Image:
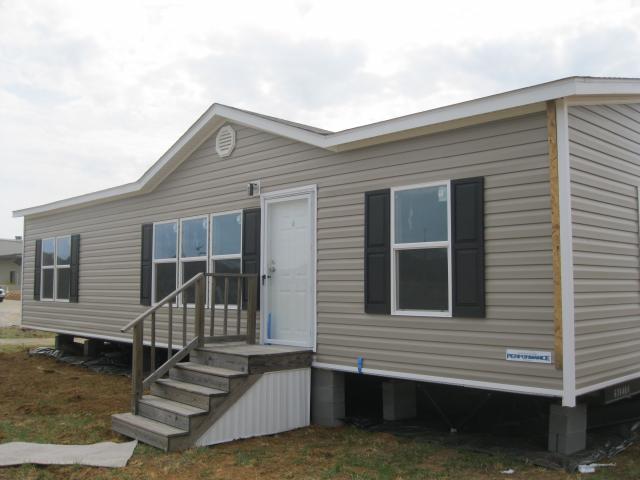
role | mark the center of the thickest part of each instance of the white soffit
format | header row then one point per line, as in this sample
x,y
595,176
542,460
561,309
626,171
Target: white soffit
x,y
494,107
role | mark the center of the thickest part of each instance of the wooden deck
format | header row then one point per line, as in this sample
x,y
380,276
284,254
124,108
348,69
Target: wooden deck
x,y
253,358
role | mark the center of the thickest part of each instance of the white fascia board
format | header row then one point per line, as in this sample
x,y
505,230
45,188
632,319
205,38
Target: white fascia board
x,y
606,86
186,144
383,131
481,106
82,200
250,120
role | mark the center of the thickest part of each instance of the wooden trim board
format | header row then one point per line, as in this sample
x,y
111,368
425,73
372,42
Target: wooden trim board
x,y
552,135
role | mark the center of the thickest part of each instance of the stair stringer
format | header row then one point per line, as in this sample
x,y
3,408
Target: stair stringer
x,y
274,402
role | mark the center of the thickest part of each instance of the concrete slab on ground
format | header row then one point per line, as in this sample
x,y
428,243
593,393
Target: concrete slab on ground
x,y
10,313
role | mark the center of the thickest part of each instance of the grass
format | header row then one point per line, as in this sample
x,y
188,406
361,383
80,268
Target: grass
x,y
17,332
67,404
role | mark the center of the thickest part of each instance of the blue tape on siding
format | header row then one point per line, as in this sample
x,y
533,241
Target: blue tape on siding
x,y
359,364
269,326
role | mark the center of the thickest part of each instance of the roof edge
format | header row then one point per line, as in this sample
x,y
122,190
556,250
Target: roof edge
x,y
353,138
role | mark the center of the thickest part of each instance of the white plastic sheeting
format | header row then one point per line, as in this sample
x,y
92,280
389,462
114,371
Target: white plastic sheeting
x,y
277,402
105,454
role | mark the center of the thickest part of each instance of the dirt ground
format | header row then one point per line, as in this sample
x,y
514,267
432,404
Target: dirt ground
x,y
42,400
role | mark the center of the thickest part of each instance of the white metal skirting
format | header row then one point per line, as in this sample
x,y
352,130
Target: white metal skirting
x,y
277,402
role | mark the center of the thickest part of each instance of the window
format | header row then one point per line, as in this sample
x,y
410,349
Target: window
x,y
182,249
165,259
420,250
13,277
226,251
193,251
56,269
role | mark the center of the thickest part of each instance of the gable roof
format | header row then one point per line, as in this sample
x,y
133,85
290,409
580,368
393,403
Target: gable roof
x,y
494,107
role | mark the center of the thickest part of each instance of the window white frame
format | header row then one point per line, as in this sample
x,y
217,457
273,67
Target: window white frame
x,y
44,267
395,247
155,261
232,256
55,267
182,260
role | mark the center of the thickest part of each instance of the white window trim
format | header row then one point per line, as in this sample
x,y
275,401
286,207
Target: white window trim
x,y
182,260
55,267
44,267
421,245
233,256
154,261
209,258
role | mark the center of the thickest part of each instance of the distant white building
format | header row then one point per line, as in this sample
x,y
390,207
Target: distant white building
x,y
11,263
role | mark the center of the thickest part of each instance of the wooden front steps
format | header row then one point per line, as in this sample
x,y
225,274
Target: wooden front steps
x,y
184,405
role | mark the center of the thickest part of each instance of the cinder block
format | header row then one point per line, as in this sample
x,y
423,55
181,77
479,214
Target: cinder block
x,y
327,397
91,347
398,400
65,343
567,429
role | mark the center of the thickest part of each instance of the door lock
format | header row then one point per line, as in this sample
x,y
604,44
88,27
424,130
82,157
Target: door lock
x,y
270,270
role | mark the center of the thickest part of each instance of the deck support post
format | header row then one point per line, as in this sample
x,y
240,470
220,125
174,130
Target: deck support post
x,y
398,400
567,429
327,397
252,287
199,313
136,367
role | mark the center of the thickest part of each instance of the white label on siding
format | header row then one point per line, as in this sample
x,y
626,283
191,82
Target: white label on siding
x,y
528,356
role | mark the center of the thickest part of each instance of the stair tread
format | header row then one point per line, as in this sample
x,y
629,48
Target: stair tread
x,y
171,406
190,387
149,425
221,372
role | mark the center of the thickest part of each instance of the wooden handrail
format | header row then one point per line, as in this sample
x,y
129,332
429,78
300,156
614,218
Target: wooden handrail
x,y
138,383
199,283
171,296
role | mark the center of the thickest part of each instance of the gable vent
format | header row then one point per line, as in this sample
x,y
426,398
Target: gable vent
x,y
225,141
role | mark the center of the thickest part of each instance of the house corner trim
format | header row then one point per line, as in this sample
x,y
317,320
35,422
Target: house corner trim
x,y
565,234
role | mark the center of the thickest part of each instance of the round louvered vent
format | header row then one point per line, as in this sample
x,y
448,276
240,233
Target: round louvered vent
x,y
225,141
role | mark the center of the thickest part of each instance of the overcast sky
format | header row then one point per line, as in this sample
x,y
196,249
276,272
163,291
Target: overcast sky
x,y
92,93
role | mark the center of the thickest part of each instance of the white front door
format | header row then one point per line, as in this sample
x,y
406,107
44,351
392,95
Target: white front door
x,y
288,268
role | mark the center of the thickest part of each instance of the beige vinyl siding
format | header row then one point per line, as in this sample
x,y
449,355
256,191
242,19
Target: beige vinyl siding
x,y
512,155
605,173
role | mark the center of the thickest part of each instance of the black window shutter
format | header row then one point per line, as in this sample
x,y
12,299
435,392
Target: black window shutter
x,y
377,252
467,231
146,264
74,288
251,247
37,272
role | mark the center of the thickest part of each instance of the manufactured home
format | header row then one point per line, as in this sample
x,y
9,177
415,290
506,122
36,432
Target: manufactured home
x,y
491,244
